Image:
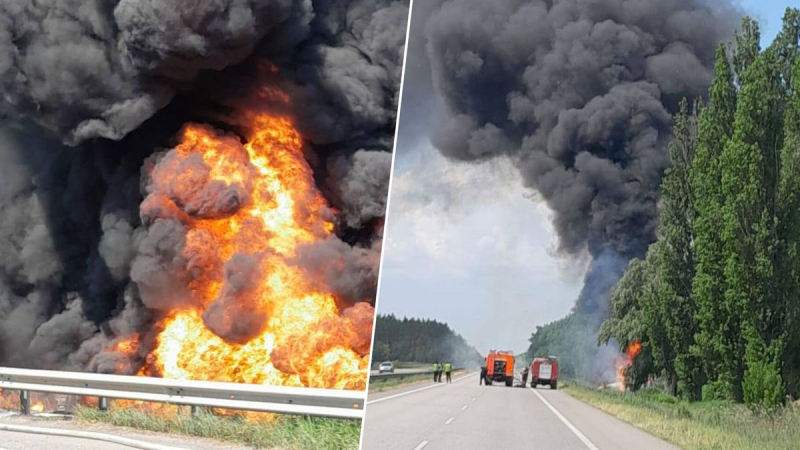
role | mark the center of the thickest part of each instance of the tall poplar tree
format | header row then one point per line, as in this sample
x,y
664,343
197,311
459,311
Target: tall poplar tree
x,y
708,287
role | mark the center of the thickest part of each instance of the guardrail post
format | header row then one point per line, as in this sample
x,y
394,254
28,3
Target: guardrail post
x,y
102,404
25,402
195,410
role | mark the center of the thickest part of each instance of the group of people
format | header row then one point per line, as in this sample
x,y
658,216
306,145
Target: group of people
x,y
439,368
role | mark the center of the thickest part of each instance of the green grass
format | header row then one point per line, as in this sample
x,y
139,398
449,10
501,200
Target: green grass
x,y
700,425
285,432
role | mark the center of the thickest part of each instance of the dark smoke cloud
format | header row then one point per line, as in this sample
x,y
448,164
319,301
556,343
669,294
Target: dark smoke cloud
x,y
94,93
96,68
579,94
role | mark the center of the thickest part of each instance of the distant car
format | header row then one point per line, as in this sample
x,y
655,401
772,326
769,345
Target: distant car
x,y
386,366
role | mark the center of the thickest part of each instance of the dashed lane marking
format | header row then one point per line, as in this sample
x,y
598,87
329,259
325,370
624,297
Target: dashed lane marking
x,y
421,445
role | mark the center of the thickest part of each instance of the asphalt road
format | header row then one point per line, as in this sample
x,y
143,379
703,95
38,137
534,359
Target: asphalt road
x,y
464,415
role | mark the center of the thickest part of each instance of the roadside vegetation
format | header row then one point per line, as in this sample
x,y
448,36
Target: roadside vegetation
x,y
714,301
277,432
703,425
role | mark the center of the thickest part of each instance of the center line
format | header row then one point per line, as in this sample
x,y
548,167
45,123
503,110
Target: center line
x,y
464,407
473,399
421,445
450,420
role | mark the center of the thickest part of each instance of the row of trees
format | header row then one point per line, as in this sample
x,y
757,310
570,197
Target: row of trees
x,y
420,340
716,301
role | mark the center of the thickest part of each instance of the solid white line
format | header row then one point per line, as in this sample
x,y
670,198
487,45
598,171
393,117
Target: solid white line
x,y
421,445
418,390
450,420
566,422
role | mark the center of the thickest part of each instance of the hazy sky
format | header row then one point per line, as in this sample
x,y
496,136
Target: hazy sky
x,y
466,244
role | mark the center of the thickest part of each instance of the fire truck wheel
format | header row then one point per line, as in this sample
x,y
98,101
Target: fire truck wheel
x,y
553,385
509,381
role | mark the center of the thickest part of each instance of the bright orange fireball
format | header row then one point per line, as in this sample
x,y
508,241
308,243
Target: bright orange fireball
x,y
253,317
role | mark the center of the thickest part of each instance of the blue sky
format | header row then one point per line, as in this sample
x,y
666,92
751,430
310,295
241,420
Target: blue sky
x,y
467,245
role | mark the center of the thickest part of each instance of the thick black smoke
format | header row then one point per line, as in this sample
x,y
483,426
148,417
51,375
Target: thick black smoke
x,y
95,91
579,94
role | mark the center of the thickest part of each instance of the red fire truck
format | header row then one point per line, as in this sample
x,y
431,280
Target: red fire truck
x,y
544,371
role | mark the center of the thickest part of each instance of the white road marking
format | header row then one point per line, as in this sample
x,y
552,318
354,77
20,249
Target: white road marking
x,y
421,445
464,407
450,420
566,422
473,399
417,390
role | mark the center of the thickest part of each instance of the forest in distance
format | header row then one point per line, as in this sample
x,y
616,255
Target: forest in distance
x,y
715,302
420,340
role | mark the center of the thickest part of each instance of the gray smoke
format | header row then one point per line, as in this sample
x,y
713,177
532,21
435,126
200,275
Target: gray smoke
x,y
94,93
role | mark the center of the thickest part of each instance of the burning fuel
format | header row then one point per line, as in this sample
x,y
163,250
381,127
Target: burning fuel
x,y
245,313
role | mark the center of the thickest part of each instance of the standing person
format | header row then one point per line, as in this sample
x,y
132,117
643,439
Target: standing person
x,y
439,372
483,375
435,371
447,368
524,376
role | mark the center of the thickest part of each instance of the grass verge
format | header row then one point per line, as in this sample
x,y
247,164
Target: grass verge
x,y
385,384
700,425
284,432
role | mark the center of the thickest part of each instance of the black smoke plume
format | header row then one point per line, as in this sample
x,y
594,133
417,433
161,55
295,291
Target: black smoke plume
x,y
94,93
579,94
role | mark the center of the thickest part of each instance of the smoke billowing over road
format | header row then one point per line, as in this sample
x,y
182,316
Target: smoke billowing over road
x,y
579,94
96,96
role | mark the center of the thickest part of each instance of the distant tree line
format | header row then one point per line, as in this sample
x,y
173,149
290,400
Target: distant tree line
x,y
420,340
716,300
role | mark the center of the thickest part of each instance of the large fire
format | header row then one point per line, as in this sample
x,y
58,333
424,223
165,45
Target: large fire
x,y
625,360
253,316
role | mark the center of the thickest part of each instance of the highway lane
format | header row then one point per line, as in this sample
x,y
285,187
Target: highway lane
x,y
464,415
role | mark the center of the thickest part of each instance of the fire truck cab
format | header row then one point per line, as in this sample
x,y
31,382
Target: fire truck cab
x,y
544,371
500,367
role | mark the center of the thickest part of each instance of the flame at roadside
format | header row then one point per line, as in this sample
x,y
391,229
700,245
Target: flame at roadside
x,y
624,361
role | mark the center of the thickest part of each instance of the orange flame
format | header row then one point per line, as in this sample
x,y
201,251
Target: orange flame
x,y
626,360
301,338
38,407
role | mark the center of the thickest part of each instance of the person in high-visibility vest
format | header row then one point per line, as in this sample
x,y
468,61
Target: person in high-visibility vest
x,y
435,372
447,367
483,375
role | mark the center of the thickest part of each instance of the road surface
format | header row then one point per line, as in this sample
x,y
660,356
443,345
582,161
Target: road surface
x,y
465,415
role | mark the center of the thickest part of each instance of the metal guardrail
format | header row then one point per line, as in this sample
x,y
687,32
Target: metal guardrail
x,y
407,373
246,397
